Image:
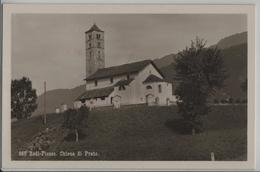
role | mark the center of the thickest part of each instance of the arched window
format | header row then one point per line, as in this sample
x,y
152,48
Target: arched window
x,y
148,87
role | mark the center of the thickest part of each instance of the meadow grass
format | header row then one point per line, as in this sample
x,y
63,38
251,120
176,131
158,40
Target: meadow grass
x,y
144,133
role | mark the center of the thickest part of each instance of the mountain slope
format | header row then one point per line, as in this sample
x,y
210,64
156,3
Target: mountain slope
x,y
165,60
236,39
54,98
235,59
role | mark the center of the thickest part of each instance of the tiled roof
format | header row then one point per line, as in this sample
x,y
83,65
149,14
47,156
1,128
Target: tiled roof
x,y
121,70
94,28
123,82
96,93
153,78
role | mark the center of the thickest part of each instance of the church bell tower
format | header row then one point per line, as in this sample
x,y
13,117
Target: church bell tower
x,y
95,56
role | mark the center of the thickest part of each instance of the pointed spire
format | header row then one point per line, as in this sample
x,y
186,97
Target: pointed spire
x,y
94,28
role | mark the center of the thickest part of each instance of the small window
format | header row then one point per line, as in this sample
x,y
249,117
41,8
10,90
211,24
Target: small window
x,y
96,82
99,45
159,88
89,45
90,53
148,87
89,37
98,36
102,98
111,80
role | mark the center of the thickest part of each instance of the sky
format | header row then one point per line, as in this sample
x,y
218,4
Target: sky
x,y
51,47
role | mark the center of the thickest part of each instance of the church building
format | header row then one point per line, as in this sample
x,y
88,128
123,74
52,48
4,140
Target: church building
x,y
128,84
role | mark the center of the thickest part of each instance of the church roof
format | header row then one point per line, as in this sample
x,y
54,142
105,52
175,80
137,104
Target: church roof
x,y
96,93
153,78
123,82
94,28
121,70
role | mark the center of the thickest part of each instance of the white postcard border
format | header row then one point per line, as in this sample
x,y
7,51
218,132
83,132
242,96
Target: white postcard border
x,y
10,9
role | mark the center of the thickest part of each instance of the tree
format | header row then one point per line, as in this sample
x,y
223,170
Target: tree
x,y
73,119
199,72
23,98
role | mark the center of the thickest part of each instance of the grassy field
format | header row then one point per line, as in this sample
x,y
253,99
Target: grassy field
x,y
144,133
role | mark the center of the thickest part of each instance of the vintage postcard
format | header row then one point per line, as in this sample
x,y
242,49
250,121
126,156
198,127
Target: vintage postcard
x,y
128,87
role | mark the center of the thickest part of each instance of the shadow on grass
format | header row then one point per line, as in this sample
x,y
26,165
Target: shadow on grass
x,y
180,126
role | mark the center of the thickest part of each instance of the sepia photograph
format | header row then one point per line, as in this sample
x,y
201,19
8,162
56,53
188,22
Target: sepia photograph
x,y
108,86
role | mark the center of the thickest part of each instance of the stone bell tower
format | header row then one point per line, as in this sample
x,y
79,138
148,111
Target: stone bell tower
x,y
95,55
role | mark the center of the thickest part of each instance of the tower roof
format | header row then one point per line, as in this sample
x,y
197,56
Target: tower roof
x,y
94,28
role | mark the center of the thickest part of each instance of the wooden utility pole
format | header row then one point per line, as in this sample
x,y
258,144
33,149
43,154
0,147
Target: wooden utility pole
x,y
44,104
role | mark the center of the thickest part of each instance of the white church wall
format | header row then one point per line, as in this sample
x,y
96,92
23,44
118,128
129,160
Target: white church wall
x,y
135,92
163,96
126,95
138,86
